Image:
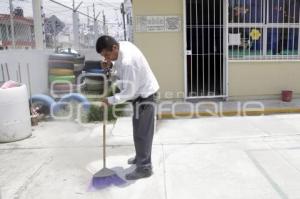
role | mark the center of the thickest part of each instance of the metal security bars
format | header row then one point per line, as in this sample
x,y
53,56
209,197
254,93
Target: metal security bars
x,y
263,29
205,52
16,25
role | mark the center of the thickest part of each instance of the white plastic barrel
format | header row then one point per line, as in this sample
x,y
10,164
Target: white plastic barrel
x,y
15,122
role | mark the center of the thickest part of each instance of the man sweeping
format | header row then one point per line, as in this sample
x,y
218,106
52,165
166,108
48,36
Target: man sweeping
x,y
137,84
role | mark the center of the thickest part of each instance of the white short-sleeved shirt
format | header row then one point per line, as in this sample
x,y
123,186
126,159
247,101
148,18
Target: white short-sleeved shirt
x,y
135,77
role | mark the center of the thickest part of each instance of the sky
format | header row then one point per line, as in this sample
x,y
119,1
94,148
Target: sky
x,y
109,6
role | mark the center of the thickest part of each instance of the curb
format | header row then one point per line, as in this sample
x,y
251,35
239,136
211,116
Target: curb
x,y
182,115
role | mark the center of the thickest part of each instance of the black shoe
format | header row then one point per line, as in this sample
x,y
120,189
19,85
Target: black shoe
x,y
132,160
139,173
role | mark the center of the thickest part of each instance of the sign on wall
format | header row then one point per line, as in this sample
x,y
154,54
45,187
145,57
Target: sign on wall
x,y
158,24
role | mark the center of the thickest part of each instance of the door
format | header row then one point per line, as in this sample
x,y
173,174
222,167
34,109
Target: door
x,y
206,53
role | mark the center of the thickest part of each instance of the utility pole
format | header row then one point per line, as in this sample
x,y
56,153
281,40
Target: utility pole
x,y
96,30
38,19
88,18
76,25
12,28
123,14
104,24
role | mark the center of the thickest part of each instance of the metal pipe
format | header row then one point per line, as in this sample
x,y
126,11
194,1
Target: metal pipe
x,y
7,71
197,56
17,76
220,46
104,143
288,39
105,117
277,41
203,49
214,45
3,75
294,21
249,37
29,85
191,49
208,22
19,70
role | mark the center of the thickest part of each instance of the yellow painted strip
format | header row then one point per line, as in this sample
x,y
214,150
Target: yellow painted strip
x,y
60,61
178,115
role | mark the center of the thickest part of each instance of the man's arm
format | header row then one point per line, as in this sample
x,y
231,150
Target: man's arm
x,y
129,85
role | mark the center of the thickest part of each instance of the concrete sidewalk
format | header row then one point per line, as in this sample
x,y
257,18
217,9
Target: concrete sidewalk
x,y
255,157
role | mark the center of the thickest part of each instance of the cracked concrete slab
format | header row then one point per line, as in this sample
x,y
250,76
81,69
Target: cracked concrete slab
x,y
234,157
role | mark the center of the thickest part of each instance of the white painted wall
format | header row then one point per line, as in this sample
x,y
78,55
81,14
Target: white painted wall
x,y
38,64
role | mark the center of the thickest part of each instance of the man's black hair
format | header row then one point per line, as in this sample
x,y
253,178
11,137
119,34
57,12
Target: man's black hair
x,y
105,42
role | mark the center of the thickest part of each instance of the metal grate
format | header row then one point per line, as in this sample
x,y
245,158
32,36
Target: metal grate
x,y
205,57
263,29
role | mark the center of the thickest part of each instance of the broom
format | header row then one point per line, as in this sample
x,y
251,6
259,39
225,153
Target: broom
x,y
106,177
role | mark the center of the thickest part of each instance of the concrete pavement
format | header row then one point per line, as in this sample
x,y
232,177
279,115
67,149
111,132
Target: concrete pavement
x,y
227,158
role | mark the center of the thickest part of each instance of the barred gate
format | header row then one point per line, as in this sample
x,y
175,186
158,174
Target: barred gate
x,y
206,48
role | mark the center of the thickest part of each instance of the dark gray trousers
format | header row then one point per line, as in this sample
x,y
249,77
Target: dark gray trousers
x,y
143,129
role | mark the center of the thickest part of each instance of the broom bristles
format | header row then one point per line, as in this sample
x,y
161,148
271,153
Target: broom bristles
x,y
103,182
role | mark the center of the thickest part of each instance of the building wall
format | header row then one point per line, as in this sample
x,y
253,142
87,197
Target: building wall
x,y
262,79
38,66
164,51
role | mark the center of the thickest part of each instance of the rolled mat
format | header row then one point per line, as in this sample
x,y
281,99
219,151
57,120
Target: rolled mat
x,y
60,64
63,79
60,72
64,87
63,57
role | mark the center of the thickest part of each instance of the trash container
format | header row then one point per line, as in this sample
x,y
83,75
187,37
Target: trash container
x,y
15,123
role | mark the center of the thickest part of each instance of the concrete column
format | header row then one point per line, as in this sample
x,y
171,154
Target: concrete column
x,y
76,42
12,25
38,24
96,30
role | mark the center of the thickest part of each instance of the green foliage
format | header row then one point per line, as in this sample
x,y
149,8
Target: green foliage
x,y
96,113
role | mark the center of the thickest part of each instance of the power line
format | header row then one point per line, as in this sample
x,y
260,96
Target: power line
x,y
104,4
55,12
53,1
109,5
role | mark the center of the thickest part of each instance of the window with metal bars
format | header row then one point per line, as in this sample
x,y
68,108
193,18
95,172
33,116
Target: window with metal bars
x,y
264,29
